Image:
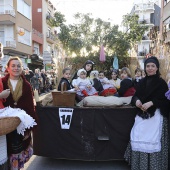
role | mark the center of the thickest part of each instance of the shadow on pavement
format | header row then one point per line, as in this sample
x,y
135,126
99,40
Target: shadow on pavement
x,y
42,163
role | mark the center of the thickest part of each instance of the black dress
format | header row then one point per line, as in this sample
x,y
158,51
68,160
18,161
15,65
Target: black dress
x,y
67,82
151,88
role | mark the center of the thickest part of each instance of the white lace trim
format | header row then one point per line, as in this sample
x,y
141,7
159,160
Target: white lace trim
x,y
26,120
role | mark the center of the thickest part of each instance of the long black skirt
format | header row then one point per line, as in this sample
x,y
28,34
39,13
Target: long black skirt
x,y
150,161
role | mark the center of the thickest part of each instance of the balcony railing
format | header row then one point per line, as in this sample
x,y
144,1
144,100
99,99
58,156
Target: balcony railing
x,y
141,7
8,42
141,53
145,21
7,9
48,17
11,44
37,33
145,38
51,36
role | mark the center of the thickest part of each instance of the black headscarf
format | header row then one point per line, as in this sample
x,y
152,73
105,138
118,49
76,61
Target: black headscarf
x,y
154,60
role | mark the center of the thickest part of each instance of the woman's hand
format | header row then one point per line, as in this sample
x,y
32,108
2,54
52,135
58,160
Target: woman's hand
x,y
147,105
138,103
4,94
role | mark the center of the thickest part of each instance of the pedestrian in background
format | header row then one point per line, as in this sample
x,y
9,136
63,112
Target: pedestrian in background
x,y
1,71
35,81
28,74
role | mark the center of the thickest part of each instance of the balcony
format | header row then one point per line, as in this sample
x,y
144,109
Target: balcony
x,y
141,53
167,38
11,44
144,7
37,36
51,38
49,18
146,39
8,42
146,22
7,14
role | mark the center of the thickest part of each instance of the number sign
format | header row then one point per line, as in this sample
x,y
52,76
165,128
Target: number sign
x,y
65,117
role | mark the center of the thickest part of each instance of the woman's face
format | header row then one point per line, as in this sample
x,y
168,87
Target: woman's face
x,y
151,69
88,67
14,69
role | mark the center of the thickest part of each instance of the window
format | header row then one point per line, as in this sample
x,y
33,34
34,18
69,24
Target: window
x,y
167,24
36,48
24,8
26,38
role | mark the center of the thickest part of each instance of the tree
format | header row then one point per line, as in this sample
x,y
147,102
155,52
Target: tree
x,y
85,37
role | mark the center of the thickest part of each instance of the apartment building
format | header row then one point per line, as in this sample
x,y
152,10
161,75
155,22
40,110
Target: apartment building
x,y
16,29
165,21
43,11
149,14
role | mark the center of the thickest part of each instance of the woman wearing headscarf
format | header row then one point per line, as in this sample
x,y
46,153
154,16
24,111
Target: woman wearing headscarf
x,y
88,66
148,148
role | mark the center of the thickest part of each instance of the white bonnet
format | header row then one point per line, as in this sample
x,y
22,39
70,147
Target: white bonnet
x,y
81,70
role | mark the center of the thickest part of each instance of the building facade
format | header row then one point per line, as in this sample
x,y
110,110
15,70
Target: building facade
x,y
149,14
43,11
16,29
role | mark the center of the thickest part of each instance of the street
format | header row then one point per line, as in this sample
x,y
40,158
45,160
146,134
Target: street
x,y
42,163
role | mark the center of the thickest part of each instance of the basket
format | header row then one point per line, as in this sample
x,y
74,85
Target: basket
x,y
8,124
63,98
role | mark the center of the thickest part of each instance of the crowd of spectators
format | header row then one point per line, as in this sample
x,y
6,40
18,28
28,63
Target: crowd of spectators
x,y
42,80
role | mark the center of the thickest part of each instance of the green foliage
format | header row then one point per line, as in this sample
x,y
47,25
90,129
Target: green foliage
x,y
85,37
135,31
78,62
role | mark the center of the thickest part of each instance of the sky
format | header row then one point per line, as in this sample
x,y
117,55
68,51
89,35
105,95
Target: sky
x,y
107,10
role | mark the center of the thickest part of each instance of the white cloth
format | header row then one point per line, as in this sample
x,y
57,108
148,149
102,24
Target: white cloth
x,y
146,133
26,120
83,84
106,83
100,101
3,149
